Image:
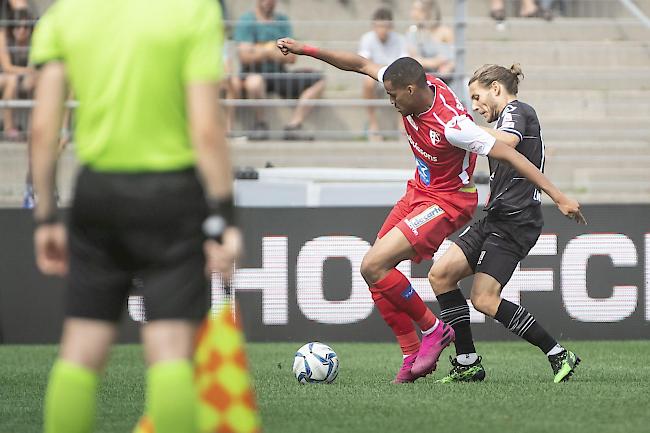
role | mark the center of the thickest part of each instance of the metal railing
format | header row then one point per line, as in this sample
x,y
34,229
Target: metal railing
x,y
340,115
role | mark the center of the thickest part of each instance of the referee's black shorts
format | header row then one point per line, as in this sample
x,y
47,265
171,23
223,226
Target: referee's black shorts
x,y
495,246
147,226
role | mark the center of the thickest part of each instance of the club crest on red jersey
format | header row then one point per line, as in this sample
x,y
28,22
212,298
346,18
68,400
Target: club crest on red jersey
x,y
434,136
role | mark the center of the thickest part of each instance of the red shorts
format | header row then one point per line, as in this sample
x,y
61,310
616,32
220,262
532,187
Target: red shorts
x,y
426,220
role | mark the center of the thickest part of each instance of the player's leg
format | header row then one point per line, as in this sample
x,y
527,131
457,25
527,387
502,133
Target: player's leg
x,y
500,255
378,269
444,277
395,298
426,227
399,322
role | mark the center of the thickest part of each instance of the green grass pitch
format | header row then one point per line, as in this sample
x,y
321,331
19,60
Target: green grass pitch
x,y
609,393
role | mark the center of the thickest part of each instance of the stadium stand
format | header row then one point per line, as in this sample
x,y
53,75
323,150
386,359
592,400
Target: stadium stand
x,y
587,73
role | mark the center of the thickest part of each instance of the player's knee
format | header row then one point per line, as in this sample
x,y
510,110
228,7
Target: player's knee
x,y
371,268
484,302
440,279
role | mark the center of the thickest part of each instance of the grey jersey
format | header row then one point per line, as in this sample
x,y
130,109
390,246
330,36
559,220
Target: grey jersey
x,y
510,193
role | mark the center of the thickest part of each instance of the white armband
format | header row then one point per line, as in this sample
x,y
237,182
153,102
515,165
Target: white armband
x,y
380,74
465,134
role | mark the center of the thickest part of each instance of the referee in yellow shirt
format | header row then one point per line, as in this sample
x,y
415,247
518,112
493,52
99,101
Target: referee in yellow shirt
x,y
154,190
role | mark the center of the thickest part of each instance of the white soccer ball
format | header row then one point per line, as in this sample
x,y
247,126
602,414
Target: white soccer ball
x,y
316,363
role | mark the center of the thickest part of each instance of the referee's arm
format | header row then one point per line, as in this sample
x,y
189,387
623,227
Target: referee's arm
x,y
49,238
46,123
207,131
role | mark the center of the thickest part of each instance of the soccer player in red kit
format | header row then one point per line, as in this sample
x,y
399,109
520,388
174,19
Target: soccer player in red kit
x,y
438,201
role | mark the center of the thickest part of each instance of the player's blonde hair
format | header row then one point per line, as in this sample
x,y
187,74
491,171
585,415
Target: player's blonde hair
x,y
487,74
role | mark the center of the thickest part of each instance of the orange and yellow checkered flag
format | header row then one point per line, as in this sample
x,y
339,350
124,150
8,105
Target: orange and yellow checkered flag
x,y
226,396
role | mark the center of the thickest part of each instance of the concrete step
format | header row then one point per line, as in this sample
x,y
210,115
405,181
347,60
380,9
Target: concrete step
x,y
485,29
560,29
613,54
577,54
341,85
598,148
352,121
590,172
310,10
586,103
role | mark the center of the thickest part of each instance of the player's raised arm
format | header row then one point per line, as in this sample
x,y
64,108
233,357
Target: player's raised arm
x,y
463,133
567,205
343,60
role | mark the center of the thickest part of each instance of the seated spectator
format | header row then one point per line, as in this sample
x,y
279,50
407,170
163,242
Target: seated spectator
x,y
263,67
17,78
429,41
383,46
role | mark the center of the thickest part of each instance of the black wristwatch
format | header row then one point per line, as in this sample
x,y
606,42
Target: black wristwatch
x,y
222,215
53,218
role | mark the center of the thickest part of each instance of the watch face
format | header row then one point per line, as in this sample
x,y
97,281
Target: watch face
x,y
213,226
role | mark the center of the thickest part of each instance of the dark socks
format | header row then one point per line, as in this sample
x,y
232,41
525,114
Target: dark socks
x,y
455,312
518,320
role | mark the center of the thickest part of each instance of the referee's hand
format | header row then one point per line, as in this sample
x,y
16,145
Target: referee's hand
x,y
221,256
51,248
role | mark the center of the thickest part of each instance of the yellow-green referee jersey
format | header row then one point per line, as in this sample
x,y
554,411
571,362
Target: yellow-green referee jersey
x,y
128,63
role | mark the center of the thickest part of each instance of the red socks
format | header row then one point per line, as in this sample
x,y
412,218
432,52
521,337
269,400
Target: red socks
x,y
399,322
397,289
399,305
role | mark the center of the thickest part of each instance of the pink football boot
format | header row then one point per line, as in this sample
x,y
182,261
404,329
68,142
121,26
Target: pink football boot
x,y
431,348
404,374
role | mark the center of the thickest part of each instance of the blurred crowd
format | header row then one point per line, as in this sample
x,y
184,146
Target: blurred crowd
x,y
257,70
263,70
16,75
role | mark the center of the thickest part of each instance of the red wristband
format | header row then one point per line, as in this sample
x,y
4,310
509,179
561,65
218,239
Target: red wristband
x,y
309,50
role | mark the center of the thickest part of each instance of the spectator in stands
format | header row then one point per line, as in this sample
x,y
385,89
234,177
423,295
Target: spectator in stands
x,y
528,9
381,45
263,67
429,41
17,77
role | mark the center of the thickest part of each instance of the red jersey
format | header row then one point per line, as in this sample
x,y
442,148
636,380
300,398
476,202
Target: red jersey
x,y
441,166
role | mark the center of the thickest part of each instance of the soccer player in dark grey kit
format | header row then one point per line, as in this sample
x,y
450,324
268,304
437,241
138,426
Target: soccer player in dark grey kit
x,y
155,171
492,247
